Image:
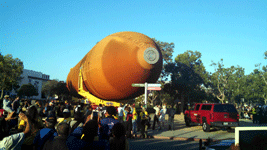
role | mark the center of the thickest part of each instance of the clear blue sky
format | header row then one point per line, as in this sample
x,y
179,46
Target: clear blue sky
x,y
52,36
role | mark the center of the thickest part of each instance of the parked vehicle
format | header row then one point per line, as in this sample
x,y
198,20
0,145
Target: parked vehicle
x,y
212,115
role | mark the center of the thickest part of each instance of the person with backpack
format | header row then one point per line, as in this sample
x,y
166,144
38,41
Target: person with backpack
x,y
76,122
107,123
66,117
59,142
45,134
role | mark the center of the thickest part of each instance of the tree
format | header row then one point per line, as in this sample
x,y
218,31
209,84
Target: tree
x,y
262,75
236,83
49,87
10,72
61,90
27,90
187,75
219,80
166,50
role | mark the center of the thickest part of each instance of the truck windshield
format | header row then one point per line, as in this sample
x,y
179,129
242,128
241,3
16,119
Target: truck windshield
x,y
225,108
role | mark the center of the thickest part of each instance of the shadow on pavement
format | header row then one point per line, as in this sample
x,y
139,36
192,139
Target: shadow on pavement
x,y
158,144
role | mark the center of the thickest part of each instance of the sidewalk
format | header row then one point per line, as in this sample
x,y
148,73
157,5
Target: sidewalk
x,y
193,133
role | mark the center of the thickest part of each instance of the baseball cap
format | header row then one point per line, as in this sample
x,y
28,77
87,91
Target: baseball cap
x,y
6,96
51,118
66,111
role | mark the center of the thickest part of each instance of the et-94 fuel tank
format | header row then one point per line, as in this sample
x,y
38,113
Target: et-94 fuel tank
x,y
116,62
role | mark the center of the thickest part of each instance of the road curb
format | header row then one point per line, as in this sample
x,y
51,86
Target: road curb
x,y
185,139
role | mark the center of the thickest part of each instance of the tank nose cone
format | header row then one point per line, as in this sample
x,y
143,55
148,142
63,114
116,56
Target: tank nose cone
x,y
151,55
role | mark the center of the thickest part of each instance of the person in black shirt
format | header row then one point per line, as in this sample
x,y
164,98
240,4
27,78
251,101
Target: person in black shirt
x,y
59,142
128,123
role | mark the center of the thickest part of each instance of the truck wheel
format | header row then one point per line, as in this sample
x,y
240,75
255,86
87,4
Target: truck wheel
x,y
187,122
206,127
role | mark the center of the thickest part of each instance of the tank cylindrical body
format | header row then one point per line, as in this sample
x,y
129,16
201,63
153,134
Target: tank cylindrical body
x,y
116,62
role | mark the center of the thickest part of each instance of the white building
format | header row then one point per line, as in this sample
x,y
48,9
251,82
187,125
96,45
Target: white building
x,y
35,78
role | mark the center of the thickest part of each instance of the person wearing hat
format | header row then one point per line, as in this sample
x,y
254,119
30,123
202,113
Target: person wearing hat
x,y
107,123
66,116
134,120
7,104
47,133
84,138
59,142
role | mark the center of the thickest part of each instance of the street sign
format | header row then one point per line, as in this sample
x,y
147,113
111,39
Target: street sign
x,y
138,85
154,88
153,85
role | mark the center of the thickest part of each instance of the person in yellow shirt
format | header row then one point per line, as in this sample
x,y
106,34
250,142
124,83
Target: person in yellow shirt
x,y
134,120
144,122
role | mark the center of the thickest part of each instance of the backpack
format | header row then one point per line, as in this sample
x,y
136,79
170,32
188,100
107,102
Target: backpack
x,y
74,127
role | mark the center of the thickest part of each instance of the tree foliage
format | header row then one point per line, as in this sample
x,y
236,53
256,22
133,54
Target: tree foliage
x,y
55,87
61,90
227,82
167,51
187,75
10,72
49,87
27,90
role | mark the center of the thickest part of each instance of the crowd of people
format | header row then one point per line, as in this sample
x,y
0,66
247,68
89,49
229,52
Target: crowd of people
x,y
36,125
257,113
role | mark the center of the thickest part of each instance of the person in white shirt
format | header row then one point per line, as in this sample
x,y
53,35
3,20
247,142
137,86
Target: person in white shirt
x,y
100,110
156,117
120,113
162,116
7,104
15,141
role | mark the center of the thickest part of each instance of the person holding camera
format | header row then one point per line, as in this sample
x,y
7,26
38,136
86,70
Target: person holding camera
x,y
156,117
144,122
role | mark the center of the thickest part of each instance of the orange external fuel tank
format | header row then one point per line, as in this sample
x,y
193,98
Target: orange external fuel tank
x,y
116,62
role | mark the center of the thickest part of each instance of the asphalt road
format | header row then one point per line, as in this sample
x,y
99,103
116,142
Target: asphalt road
x,y
158,144
182,132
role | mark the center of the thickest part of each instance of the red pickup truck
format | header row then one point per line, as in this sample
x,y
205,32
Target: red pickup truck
x,y
212,115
